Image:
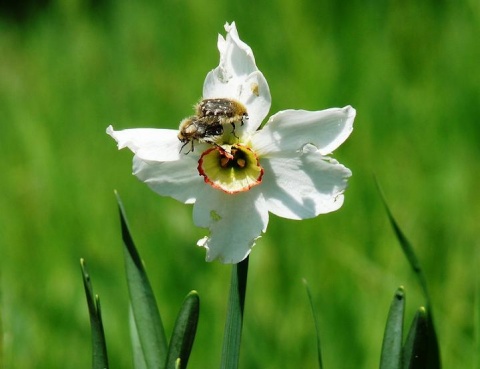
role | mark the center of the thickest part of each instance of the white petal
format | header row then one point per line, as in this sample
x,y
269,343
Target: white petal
x,y
235,222
304,186
290,130
178,179
255,95
236,57
149,143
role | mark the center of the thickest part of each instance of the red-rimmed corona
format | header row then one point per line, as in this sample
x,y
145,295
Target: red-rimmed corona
x,y
231,169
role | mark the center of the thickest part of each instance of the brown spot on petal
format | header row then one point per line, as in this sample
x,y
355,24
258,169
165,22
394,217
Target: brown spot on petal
x,y
254,88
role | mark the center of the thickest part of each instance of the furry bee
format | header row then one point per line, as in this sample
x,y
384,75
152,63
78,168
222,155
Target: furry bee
x,y
226,111
208,123
202,129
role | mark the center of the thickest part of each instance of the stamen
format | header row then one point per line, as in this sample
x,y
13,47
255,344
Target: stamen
x,y
241,163
224,161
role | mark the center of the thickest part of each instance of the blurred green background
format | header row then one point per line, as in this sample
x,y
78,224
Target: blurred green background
x,y
70,68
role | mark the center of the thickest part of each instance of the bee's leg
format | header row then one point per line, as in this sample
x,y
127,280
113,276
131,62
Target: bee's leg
x,y
183,147
185,144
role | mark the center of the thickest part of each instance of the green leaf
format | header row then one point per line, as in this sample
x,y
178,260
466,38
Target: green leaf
x,y
406,248
434,359
184,332
233,326
392,340
138,358
415,351
99,346
317,324
147,318
476,314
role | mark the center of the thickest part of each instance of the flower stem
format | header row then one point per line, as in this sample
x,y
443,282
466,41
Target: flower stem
x,y
233,324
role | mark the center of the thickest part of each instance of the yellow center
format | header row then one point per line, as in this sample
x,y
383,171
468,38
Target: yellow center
x,y
230,168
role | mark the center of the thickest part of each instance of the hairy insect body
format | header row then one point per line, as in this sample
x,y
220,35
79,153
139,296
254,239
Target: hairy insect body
x,y
228,111
208,123
201,129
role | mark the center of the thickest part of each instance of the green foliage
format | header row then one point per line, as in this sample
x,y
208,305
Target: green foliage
x,y
416,350
392,340
407,67
148,323
422,349
316,324
150,348
234,321
99,345
183,334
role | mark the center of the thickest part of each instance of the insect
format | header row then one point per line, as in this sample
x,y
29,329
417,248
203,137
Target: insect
x,y
226,111
208,123
202,129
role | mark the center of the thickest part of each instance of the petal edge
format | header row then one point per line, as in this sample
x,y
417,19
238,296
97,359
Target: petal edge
x,y
290,130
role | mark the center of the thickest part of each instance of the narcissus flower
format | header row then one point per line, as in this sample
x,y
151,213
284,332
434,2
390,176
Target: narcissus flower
x,y
235,173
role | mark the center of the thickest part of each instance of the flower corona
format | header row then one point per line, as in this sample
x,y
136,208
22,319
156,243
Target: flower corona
x,y
232,169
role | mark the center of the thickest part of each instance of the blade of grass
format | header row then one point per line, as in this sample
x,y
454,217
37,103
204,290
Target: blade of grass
x,y
148,322
317,324
2,333
434,359
406,247
415,351
233,326
391,357
476,317
184,332
138,358
99,346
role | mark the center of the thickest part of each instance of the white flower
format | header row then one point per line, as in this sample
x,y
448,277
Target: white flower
x,y
235,180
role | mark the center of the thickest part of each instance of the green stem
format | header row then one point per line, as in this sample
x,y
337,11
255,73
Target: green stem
x,y
234,322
